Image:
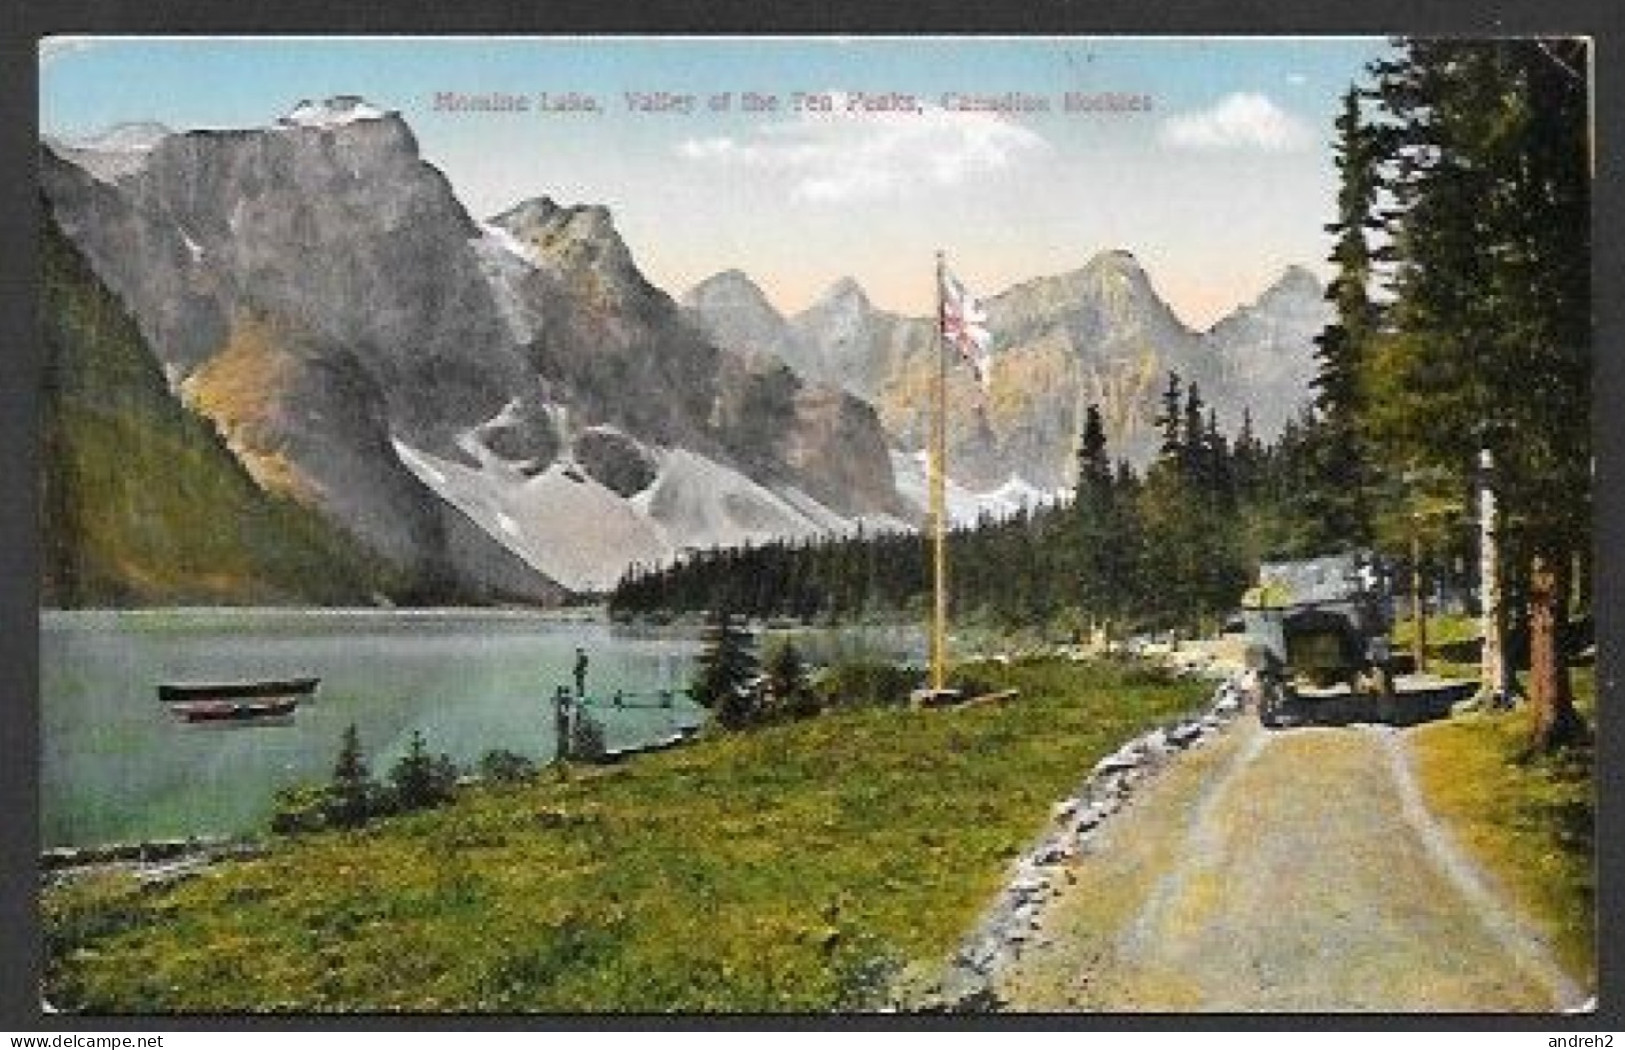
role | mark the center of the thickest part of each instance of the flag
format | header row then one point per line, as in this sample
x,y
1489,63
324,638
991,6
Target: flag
x,y
964,326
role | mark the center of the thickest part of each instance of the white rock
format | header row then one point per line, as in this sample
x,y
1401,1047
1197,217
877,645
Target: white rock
x,y
1028,886
1184,734
1119,761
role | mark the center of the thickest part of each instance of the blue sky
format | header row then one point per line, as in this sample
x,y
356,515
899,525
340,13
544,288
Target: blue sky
x,y
1222,183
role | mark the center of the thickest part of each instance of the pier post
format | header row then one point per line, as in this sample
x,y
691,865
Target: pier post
x,y
561,724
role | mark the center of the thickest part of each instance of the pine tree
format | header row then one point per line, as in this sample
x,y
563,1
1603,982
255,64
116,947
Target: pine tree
x,y
1217,456
725,676
1094,465
1191,434
352,795
420,780
787,682
1246,458
1338,493
1338,348
1098,526
1490,340
1169,421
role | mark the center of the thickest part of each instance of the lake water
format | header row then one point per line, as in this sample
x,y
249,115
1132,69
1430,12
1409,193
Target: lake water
x,y
117,766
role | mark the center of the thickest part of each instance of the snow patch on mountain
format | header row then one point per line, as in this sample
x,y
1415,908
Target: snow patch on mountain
x,y
193,248
581,534
965,508
120,151
332,113
505,240
129,137
563,524
700,503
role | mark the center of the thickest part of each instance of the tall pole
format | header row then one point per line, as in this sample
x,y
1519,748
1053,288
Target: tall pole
x,y
561,724
1494,689
939,500
1419,612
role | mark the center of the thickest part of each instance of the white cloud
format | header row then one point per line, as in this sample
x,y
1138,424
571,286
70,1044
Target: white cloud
x,y
843,156
1243,120
1296,79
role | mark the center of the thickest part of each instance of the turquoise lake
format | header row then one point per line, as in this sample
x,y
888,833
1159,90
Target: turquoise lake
x,y
117,766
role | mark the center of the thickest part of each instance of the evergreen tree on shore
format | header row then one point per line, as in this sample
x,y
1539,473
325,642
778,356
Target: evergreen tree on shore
x,y
420,780
787,683
725,676
352,795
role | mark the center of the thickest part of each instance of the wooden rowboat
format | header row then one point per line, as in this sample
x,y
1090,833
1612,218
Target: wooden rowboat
x,y
249,689
281,707
256,700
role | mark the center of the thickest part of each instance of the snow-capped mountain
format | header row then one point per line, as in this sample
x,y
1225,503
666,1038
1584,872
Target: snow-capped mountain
x,y
965,507
507,407
504,408
1100,334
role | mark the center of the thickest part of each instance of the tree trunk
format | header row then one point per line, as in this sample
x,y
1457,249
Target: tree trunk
x,y
1580,582
1556,721
1496,687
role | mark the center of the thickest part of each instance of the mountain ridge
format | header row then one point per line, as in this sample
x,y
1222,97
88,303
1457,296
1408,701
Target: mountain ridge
x,y
325,255
1099,333
368,348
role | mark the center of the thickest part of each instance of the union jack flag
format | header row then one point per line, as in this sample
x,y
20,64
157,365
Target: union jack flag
x,y
964,326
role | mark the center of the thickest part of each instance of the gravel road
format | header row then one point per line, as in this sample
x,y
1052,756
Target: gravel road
x,y
1297,870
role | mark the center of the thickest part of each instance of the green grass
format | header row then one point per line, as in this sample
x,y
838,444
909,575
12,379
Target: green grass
x,y
1528,821
800,867
1442,630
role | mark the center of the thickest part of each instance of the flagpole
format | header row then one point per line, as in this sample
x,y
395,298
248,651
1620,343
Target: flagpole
x,y
939,491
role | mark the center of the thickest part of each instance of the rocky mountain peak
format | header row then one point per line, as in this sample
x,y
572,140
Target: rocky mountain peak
x,y
319,293
731,291
1119,271
727,282
846,293
1120,259
135,135
1295,282
119,151
579,237
531,213
732,310
1100,333
1296,296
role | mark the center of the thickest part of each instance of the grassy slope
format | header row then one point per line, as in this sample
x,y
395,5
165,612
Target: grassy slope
x,y
1530,822
775,870
141,501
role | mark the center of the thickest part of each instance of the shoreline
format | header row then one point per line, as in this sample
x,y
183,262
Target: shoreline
x,y
579,615
595,614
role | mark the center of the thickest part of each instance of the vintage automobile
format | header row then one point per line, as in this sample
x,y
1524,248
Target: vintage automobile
x,y
1318,625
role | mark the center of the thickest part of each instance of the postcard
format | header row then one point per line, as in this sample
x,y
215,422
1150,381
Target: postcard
x,y
557,525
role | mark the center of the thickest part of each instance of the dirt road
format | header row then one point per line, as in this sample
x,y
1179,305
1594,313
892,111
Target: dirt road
x,y
1297,870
